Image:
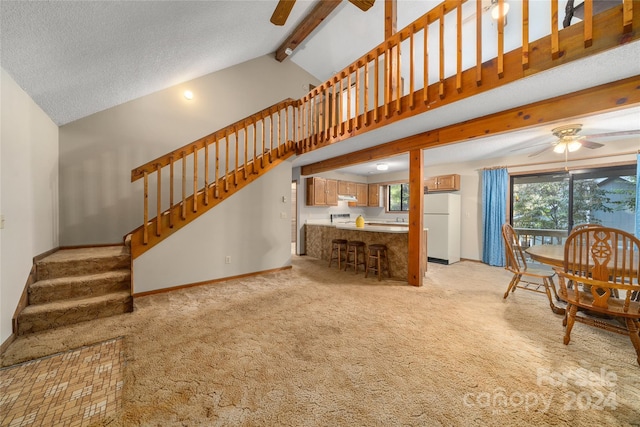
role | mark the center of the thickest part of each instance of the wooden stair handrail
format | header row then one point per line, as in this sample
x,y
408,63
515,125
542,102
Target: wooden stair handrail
x,y
189,148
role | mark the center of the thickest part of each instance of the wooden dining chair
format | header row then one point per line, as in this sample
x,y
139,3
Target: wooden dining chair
x,y
600,278
536,279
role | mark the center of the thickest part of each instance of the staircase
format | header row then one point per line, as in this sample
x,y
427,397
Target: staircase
x,y
76,285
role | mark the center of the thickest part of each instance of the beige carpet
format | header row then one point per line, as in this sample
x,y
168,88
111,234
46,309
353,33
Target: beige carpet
x,y
317,347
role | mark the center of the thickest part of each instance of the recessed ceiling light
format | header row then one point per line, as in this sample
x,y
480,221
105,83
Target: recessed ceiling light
x,y
188,95
382,166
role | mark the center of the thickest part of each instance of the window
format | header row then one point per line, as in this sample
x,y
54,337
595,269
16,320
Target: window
x,y
558,201
398,197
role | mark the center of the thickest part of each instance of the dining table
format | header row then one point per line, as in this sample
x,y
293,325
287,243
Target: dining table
x,y
552,255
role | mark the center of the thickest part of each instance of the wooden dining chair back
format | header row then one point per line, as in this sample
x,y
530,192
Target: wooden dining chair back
x,y
536,279
601,276
583,226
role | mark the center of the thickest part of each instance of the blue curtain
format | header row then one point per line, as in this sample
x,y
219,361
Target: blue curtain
x,y
638,195
495,184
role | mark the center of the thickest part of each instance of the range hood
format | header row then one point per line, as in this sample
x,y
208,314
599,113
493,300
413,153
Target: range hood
x,y
347,198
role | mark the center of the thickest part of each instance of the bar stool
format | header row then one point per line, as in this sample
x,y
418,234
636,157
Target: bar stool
x,y
339,248
378,260
355,248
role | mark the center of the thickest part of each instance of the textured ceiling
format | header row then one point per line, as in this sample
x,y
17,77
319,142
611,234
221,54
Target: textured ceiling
x,y
75,58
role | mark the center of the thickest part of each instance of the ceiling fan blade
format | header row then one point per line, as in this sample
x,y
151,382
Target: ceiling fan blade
x,y
283,9
537,153
590,144
363,4
617,133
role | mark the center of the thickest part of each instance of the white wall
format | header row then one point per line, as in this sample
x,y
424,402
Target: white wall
x,y
247,226
98,202
29,192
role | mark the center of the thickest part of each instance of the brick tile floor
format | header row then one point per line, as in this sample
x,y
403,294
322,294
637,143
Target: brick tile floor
x,y
76,388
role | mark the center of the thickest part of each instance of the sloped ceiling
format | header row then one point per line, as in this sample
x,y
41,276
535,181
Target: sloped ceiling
x,y
77,58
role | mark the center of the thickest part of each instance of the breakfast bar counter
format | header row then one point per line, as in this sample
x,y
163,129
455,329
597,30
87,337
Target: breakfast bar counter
x,y
318,242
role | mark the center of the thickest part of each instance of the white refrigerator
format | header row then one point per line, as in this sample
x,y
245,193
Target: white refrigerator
x,y
442,218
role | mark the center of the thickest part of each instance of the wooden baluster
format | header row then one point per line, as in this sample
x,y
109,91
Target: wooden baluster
x,y
588,23
307,120
235,157
349,115
159,200
376,84
425,90
145,202
398,80
216,192
302,123
336,111
525,34
627,16
226,161
357,112
287,138
441,84
277,135
272,138
195,179
411,69
206,172
479,43
387,80
310,111
366,91
500,57
327,109
555,50
341,99
184,185
246,151
262,121
171,177
459,47
255,147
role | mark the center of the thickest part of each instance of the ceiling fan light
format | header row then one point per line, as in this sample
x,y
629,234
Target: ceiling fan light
x,y
574,146
560,147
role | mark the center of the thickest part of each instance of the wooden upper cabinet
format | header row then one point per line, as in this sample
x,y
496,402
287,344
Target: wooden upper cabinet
x,y
346,188
443,183
332,192
322,192
374,195
362,194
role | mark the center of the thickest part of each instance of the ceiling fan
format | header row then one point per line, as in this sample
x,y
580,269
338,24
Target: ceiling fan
x,y
283,9
568,140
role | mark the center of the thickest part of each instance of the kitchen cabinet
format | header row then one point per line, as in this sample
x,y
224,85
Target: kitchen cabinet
x,y
362,194
443,183
346,188
374,195
322,192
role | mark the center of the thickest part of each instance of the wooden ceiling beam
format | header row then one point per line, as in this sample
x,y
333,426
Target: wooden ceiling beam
x,y
607,97
306,27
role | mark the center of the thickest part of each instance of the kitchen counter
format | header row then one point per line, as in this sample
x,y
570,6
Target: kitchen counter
x,y
376,228
396,237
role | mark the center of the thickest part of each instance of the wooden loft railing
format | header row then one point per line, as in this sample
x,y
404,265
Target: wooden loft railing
x,y
454,57
370,93
209,170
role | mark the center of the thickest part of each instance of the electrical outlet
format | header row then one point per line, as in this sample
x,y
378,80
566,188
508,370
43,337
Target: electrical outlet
x,y
227,259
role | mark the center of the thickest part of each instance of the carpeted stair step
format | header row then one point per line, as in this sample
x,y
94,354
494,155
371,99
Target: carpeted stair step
x,y
83,261
40,317
61,288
